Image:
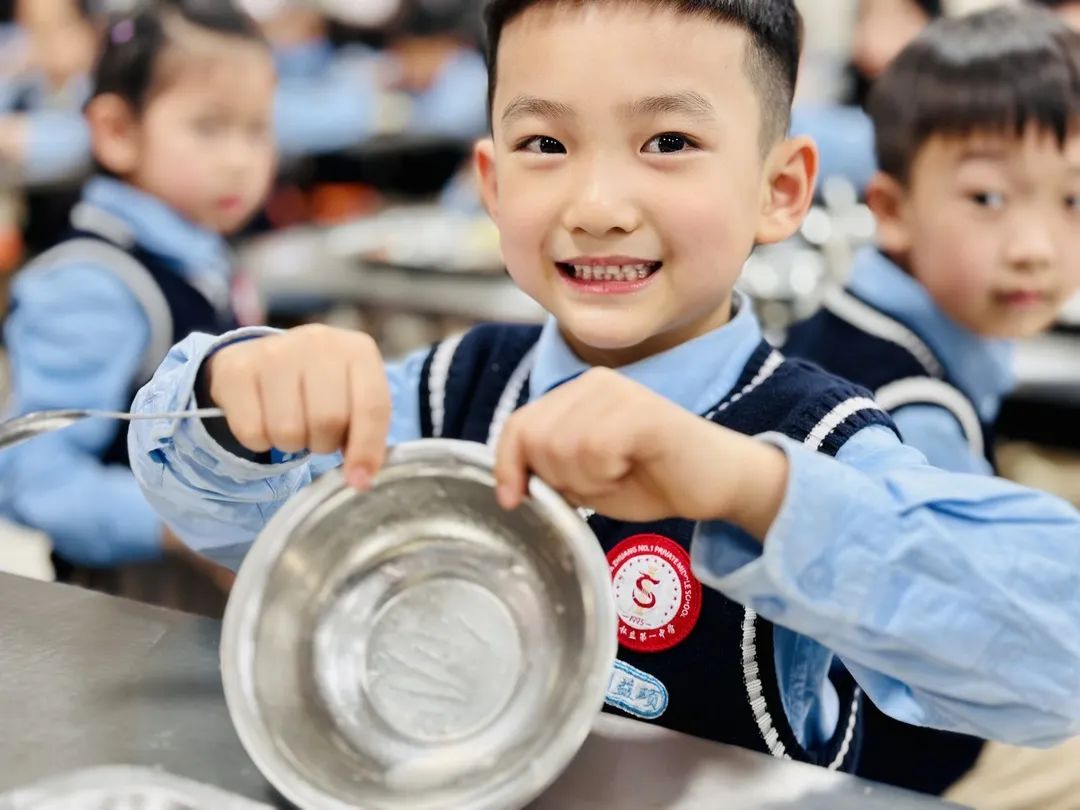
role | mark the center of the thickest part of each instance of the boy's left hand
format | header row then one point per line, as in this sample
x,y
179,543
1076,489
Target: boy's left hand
x,y
612,445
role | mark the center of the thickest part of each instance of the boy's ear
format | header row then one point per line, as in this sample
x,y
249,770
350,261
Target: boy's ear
x,y
484,165
791,172
887,199
113,133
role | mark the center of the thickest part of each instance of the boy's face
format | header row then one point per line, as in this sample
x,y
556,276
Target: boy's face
x,y
990,225
626,175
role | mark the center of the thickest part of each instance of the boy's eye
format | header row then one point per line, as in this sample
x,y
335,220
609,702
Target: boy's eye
x,y
542,145
988,199
668,142
1072,202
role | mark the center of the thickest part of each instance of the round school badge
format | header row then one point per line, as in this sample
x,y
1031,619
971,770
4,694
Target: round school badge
x,y
656,594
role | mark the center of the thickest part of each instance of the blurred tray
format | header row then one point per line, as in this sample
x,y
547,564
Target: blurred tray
x,y
123,788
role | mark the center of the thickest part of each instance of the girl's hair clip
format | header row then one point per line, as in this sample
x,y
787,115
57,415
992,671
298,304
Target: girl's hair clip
x,y
122,32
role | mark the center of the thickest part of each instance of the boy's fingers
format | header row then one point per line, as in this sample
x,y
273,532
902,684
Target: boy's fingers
x,y
597,469
369,421
239,399
511,467
281,393
326,403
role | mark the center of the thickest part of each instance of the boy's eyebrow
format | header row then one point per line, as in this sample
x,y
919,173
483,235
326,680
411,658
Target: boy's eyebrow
x,y
687,103
990,153
525,106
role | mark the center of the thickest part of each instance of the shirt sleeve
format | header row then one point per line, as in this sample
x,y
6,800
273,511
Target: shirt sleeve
x,y
211,498
934,432
76,338
952,598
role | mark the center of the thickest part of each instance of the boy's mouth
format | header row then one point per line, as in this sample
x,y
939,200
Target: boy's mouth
x,y
1023,299
608,270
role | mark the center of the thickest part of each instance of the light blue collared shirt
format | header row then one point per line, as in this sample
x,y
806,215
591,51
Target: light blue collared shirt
x,y
980,367
77,337
952,598
58,138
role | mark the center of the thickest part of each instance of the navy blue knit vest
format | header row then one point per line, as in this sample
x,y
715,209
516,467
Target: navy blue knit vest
x,y
857,341
852,338
706,666
173,306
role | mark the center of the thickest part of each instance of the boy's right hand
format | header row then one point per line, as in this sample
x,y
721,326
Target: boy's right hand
x,y
312,388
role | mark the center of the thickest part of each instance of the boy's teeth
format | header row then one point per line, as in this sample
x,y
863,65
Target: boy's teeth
x,y
626,272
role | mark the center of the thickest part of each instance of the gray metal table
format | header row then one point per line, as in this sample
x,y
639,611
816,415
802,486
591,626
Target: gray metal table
x,y
89,680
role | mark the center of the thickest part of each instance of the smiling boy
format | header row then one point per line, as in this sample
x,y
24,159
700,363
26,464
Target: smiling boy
x,y
638,152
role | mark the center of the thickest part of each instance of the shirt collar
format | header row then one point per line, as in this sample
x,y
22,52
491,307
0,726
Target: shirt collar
x,y
695,375
980,366
198,254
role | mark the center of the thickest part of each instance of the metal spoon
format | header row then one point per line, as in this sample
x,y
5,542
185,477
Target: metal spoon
x,y
23,428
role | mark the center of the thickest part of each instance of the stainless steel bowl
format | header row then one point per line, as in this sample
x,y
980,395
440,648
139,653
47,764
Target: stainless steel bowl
x,y
417,646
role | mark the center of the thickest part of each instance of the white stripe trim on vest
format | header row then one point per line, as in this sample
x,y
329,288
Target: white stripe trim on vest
x,y
510,396
862,316
923,390
849,732
837,416
437,376
752,681
129,272
768,368
760,708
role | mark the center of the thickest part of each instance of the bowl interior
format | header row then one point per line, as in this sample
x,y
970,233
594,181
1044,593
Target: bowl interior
x,y
418,646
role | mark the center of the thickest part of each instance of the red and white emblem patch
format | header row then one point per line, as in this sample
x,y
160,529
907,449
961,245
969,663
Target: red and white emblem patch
x,y
656,594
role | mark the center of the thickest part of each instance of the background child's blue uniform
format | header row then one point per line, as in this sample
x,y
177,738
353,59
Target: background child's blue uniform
x,y
942,383
56,155
89,322
58,138
328,101
845,139
943,386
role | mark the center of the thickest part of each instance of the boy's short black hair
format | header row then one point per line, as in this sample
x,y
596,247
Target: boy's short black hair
x,y
129,64
774,27
996,71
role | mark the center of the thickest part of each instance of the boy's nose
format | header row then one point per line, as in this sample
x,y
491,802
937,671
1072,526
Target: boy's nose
x,y
1030,244
600,208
